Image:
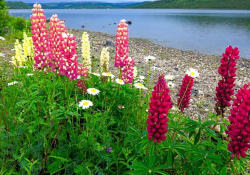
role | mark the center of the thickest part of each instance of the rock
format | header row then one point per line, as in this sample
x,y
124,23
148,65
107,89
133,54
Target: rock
x,y
176,69
109,43
129,22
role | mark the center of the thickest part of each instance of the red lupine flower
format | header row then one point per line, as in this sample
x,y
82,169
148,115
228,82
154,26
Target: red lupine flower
x,y
227,70
40,37
81,85
121,54
160,103
239,129
185,92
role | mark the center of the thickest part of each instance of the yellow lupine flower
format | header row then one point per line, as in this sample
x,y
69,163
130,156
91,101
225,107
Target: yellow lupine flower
x,y
27,46
86,51
135,72
104,60
18,59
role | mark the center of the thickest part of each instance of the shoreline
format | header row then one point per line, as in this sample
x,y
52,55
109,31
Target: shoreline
x,y
174,62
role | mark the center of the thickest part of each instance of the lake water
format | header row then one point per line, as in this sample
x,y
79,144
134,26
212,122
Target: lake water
x,y
205,31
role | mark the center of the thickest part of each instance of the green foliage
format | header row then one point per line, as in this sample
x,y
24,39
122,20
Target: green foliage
x,y
18,5
44,131
197,4
4,16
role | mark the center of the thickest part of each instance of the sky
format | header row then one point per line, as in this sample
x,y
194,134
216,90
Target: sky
x,y
48,1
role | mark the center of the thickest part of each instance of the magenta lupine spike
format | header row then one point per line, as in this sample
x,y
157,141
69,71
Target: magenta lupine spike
x,y
55,35
227,70
159,106
68,65
40,37
239,129
127,71
185,92
122,47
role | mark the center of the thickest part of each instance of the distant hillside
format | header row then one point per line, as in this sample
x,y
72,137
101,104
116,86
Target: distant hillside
x,y
197,4
18,5
88,5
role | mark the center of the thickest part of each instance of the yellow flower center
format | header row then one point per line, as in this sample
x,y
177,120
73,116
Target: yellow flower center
x,y
85,103
109,74
120,81
192,73
140,85
93,90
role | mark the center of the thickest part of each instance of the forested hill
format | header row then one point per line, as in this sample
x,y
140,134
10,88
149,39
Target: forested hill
x,y
17,5
73,5
197,4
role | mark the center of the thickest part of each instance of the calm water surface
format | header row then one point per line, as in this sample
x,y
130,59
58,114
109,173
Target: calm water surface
x,y
205,31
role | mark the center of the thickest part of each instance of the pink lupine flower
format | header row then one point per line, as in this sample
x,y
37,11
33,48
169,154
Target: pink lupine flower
x,y
239,129
122,47
40,37
128,71
185,92
159,105
227,70
68,65
55,35
82,70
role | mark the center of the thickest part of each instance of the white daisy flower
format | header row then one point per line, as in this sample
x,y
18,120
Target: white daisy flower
x,y
85,104
93,91
96,74
169,77
156,68
192,73
2,55
29,74
140,86
12,83
108,74
78,77
141,77
119,81
147,58
2,38
171,85
174,108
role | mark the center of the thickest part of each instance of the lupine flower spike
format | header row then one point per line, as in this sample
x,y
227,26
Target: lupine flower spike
x,y
122,47
239,129
104,60
86,51
159,106
186,89
40,37
127,74
68,65
56,31
227,70
18,59
27,46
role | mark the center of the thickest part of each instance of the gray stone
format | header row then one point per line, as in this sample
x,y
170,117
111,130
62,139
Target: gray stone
x,y
109,43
